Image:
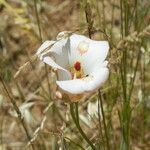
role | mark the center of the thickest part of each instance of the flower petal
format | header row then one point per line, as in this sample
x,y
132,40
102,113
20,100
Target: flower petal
x,y
73,42
64,74
44,46
56,56
87,84
88,52
58,51
98,49
96,55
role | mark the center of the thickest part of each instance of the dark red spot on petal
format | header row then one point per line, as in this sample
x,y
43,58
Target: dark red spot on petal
x,y
77,66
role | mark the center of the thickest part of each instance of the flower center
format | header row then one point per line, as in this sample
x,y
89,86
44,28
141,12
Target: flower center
x,y
77,66
77,70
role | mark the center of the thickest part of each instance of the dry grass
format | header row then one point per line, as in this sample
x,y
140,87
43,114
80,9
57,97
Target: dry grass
x,y
32,117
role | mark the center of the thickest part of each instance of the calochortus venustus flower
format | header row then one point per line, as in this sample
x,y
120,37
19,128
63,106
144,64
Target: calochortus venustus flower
x,y
79,61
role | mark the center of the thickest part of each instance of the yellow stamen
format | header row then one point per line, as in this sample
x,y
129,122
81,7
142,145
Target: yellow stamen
x,y
77,71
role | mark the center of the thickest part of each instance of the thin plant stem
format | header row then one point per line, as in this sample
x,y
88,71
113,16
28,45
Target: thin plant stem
x,y
74,143
39,80
1,129
38,20
20,91
104,122
103,16
121,18
112,21
143,70
99,119
99,14
136,15
89,20
41,39
126,110
77,112
134,75
17,111
75,117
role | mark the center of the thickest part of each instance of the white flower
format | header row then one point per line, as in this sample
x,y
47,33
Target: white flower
x,y
80,62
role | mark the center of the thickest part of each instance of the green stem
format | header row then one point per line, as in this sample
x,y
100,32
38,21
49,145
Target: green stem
x,y
77,113
134,75
75,118
126,111
38,20
104,122
99,120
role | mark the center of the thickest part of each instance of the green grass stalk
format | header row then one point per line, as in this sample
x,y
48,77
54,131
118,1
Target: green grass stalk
x,y
104,121
75,117
126,111
99,122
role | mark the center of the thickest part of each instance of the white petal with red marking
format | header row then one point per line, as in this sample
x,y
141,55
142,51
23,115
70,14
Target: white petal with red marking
x,y
87,84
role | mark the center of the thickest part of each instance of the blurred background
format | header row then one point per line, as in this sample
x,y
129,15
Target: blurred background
x,y
31,117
